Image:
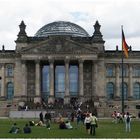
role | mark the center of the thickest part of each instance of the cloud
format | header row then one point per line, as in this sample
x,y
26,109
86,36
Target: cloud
x,y
111,14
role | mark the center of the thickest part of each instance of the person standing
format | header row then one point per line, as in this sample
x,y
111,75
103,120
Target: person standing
x,y
78,118
93,124
48,120
72,117
87,123
41,117
127,119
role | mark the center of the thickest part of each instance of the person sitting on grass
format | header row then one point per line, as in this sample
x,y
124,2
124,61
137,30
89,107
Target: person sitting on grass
x,y
27,129
40,123
62,125
14,129
31,123
68,125
60,119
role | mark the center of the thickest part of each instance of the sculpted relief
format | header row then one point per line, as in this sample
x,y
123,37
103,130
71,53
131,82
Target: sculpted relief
x,y
58,46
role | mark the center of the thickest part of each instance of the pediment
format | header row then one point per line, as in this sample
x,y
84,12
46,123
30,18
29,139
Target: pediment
x,y
58,45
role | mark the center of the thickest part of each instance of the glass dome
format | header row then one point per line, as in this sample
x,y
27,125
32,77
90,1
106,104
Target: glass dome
x,y
61,28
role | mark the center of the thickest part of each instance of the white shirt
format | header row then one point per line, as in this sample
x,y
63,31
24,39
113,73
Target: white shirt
x,y
87,120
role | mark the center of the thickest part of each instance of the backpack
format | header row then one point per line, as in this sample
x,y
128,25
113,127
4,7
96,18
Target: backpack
x,y
128,119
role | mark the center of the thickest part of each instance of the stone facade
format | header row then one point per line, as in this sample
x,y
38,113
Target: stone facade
x,y
88,53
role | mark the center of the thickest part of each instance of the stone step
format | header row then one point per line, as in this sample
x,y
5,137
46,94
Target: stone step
x,y
6,107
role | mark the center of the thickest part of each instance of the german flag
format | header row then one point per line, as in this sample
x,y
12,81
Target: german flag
x,y
125,47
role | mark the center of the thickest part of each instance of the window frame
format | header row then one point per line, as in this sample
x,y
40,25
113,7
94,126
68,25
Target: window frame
x,y
136,90
9,70
110,90
11,89
110,70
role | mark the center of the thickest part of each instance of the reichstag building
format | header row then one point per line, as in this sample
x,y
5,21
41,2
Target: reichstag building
x,y
62,62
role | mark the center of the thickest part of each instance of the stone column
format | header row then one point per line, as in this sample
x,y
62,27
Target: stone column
x,y
24,78
81,82
130,88
3,81
94,79
117,81
17,79
101,82
37,80
66,81
51,77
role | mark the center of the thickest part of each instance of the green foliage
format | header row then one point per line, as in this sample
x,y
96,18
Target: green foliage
x,y
106,129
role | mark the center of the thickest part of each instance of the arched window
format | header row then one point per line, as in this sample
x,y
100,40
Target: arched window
x,y
73,76
136,90
109,71
9,70
10,90
110,90
125,90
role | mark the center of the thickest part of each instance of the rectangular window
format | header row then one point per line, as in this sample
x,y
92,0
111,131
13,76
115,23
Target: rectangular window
x,y
109,71
136,71
9,70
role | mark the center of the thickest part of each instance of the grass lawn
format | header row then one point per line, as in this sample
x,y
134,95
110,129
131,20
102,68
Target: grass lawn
x,y
106,129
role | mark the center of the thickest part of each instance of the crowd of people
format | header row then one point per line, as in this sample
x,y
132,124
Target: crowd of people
x,y
27,128
85,118
88,119
117,117
120,118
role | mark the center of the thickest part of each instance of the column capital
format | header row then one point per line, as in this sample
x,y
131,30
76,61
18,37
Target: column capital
x,y
2,65
80,60
51,60
130,68
37,61
117,65
130,64
94,62
18,59
23,61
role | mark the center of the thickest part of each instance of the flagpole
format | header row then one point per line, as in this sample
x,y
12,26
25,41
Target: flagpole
x,y
122,77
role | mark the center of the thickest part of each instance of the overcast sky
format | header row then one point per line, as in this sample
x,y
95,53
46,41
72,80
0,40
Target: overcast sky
x,y
111,14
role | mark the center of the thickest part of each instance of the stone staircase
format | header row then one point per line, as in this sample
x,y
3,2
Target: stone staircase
x,y
6,107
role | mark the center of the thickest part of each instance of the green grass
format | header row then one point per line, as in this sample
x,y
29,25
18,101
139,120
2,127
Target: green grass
x,y
106,129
